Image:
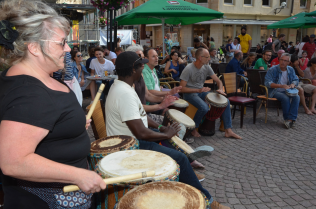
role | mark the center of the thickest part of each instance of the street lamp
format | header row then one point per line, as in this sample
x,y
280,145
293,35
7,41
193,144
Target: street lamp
x,y
283,5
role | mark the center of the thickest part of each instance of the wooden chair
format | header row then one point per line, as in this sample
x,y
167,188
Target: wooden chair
x,y
254,82
215,67
231,85
98,121
265,99
222,68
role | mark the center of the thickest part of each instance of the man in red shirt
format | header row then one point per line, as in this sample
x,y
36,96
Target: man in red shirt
x,y
310,46
275,61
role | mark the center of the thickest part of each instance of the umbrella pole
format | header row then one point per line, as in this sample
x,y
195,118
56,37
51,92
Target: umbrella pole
x,y
301,34
163,37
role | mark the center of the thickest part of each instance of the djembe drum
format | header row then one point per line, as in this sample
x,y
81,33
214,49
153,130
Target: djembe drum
x,y
135,161
218,105
173,115
180,105
103,147
107,145
164,195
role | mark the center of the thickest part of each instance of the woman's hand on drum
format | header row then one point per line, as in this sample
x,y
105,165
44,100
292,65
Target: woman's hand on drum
x,y
90,182
174,90
167,101
221,92
204,89
170,130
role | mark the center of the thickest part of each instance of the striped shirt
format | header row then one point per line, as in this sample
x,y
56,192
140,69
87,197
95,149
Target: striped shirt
x,y
68,66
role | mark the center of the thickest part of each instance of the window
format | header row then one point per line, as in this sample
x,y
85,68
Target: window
x,y
283,1
201,1
248,2
303,3
266,3
228,2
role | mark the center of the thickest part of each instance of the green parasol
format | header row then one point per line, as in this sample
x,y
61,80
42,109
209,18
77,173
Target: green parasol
x,y
311,14
170,12
296,21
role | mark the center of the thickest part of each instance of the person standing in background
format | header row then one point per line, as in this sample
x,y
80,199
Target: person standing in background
x,y
245,41
229,53
210,42
310,46
277,45
269,40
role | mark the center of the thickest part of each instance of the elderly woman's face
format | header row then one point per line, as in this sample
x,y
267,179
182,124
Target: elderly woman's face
x,y
57,47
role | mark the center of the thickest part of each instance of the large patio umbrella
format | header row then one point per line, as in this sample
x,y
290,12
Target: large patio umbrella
x,y
297,21
311,14
170,12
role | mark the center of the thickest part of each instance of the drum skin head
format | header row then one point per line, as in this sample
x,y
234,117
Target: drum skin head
x,y
163,195
180,117
111,144
180,103
216,99
137,161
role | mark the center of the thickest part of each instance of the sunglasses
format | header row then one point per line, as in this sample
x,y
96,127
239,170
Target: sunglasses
x,y
79,55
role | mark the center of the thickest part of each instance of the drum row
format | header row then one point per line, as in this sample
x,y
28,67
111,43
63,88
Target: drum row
x,y
119,155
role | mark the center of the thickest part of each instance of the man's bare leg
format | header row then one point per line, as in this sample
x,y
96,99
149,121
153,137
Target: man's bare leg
x,y
313,102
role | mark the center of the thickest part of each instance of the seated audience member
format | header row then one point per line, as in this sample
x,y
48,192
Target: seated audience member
x,y
310,73
198,44
172,66
308,88
234,66
167,58
213,58
109,55
99,66
118,43
303,61
236,44
259,51
192,80
91,54
278,79
275,61
119,50
81,74
262,63
229,53
150,75
284,46
192,57
249,62
132,120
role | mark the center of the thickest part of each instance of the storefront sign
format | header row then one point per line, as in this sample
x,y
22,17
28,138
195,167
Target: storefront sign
x,y
126,37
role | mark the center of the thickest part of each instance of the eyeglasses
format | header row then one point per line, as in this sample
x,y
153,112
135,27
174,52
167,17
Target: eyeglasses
x,y
284,60
61,43
206,57
79,55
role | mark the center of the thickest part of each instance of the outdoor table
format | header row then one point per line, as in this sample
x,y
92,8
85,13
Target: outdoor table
x,y
105,80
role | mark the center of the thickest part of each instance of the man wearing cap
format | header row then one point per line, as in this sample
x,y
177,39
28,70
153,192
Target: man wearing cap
x,y
125,115
275,61
309,47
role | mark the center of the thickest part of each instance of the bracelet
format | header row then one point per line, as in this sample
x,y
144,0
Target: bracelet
x,y
159,127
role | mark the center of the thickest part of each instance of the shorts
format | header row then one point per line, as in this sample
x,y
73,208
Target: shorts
x,y
308,88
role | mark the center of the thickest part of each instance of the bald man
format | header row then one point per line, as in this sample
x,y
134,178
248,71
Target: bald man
x,y
234,64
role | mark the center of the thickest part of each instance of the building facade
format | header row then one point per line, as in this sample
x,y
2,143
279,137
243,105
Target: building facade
x,y
256,15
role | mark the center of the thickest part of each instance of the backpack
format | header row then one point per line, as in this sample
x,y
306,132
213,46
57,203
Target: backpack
x,y
268,46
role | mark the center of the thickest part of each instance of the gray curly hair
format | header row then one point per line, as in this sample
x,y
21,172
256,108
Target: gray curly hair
x,y
135,48
34,21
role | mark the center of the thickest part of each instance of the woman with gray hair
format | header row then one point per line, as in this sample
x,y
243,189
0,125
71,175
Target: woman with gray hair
x,y
43,140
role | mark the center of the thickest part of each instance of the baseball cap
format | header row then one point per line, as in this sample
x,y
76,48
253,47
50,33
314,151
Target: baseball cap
x,y
128,59
312,36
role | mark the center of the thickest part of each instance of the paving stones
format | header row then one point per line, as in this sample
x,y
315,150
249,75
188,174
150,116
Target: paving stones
x,y
272,167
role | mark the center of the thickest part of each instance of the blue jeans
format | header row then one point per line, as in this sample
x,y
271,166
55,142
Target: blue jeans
x,y
289,105
187,174
198,100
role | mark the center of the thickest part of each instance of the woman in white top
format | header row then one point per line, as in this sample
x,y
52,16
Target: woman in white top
x,y
235,45
299,47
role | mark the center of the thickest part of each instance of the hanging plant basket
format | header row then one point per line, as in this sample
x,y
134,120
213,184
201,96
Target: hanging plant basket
x,y
104,5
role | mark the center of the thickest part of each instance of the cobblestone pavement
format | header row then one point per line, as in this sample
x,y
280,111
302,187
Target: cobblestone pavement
x,y
272,167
